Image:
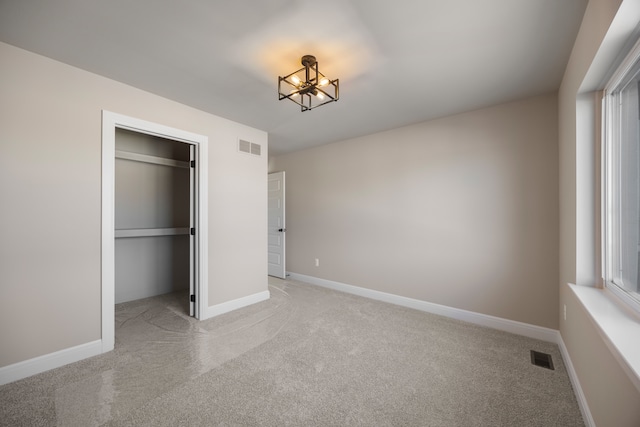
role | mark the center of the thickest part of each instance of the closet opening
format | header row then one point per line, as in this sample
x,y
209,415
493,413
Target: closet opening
x,y
154,218
154,211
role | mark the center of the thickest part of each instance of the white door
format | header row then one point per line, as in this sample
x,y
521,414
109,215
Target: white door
x,y
277,230
193,308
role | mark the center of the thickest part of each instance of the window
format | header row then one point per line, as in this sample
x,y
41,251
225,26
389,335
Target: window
x,y
621,181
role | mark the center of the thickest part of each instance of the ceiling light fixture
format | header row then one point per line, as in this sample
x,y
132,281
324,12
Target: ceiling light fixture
x,y
308,87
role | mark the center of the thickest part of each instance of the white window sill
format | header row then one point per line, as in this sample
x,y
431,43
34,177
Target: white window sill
x,y
618,326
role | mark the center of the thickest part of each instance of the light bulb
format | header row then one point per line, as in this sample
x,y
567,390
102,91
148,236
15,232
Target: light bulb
x,y
295,80
319,94
293,93
324,81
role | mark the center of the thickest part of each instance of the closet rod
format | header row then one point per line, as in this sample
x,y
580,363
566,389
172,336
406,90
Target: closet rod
x,y
151,232
137,157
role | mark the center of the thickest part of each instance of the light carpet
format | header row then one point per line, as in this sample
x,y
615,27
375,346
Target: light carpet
x,y
307,357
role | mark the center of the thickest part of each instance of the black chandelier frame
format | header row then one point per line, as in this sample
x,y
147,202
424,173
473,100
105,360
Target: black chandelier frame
x,y
308,93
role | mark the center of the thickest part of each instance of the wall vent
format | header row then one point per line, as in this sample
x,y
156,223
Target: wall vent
x,y
249,147
244,146
541,359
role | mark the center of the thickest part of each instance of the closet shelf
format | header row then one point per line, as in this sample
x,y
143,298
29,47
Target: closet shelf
x,y
151,232
137,157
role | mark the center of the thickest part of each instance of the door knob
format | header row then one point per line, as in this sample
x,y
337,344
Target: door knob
x,y
282,230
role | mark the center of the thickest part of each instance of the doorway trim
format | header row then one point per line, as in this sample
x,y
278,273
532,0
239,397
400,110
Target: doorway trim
x,y
111,121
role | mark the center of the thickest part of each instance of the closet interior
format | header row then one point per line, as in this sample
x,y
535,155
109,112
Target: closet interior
x,y
153,211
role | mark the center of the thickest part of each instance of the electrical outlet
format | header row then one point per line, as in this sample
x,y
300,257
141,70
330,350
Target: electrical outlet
x,y
565,311
317,262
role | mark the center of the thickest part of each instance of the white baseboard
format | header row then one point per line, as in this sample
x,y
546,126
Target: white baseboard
x,y
520,328
575,382
26,368
225,307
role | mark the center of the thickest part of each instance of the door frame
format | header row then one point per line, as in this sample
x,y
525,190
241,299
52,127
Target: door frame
x,y
111,121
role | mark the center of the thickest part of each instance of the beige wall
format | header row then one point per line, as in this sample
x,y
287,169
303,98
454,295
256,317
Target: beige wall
x,y
460,211
611,396
50,183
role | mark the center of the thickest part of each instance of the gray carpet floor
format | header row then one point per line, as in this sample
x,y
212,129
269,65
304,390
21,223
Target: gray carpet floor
x,y
307,357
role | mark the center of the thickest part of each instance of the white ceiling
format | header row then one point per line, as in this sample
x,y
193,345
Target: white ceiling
x,y
399,62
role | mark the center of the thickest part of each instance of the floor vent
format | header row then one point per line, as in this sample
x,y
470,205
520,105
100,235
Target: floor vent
x,y
249,147
541,359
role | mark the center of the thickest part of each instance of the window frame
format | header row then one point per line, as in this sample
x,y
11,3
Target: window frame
x,y
610,132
